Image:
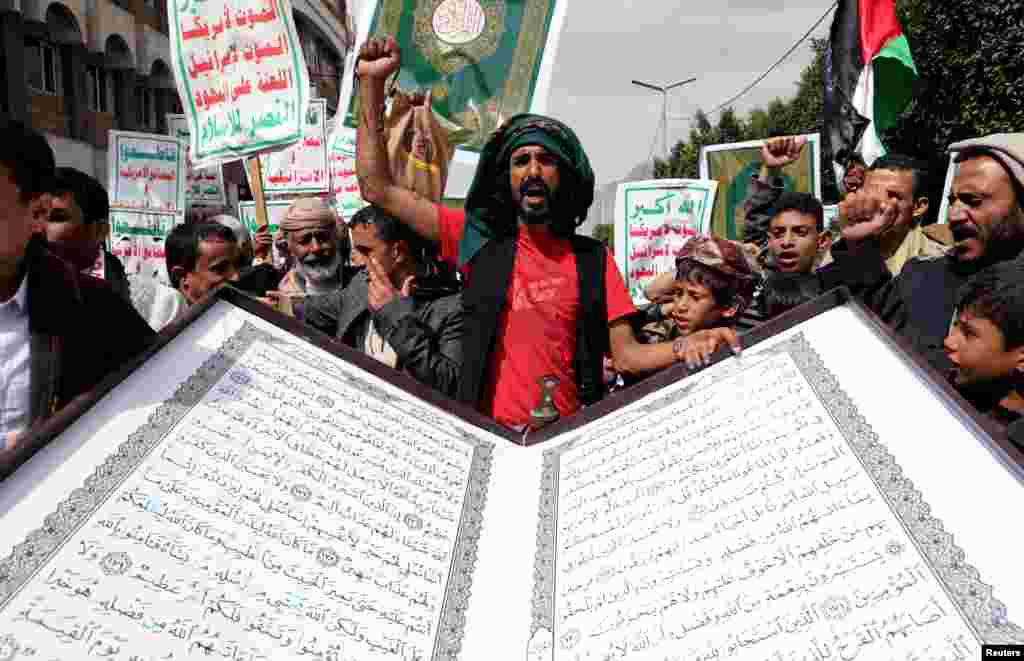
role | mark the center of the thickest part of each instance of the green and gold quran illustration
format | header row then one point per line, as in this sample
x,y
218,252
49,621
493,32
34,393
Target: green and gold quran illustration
x,y
480,59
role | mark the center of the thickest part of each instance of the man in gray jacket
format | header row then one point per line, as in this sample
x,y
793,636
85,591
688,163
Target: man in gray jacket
x,y
403,309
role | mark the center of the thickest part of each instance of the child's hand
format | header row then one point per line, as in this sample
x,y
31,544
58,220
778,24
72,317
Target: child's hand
x,y
696,349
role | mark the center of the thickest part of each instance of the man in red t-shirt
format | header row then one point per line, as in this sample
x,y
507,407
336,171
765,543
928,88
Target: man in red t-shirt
x,y
526,316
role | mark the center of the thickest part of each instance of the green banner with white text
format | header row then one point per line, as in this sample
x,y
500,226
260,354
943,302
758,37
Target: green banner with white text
x,y
479,58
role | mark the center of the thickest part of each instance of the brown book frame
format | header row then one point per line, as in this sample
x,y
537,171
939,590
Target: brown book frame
x,y
993,435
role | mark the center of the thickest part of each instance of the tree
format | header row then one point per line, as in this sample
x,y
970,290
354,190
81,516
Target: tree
x,y
702,121
971,83
801,114
729,128
760,124
971,73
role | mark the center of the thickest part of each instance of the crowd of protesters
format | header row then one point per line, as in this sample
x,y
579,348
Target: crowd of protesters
x,y
502,305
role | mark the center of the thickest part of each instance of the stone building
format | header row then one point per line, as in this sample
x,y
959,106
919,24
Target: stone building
x,y
75,69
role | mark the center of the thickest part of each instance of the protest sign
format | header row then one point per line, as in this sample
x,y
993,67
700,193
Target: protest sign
x,y
341,152
482,60
830,213
947,188
653,220
137,239
240,74
275,213
146,172
302,168
732,165
203,187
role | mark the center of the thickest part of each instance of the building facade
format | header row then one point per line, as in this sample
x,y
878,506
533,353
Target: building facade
x,y
74,69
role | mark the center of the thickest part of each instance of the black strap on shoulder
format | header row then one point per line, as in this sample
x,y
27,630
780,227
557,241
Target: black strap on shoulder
x,y
482,301
592,322
487,293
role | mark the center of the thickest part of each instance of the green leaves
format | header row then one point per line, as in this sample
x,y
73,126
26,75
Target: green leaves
x,y
972,73
801,114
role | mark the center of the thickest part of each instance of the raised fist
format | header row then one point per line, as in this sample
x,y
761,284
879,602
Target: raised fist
x,y
779,152
866,214
378,58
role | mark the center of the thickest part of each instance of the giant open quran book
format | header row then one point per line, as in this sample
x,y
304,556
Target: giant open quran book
x,y
249,490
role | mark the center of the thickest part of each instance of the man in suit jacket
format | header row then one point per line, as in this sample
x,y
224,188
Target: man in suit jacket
x,y
61,331
404,310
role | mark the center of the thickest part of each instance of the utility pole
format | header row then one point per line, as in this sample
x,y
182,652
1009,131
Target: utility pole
x,y
664,90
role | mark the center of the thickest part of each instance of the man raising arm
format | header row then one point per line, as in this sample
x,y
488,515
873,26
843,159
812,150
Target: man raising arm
x,y
541,303
378,59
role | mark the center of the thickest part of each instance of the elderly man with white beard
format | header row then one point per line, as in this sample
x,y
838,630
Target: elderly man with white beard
x,y
310,228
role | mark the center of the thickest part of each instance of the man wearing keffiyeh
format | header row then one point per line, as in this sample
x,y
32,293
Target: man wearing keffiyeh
x,y
541,303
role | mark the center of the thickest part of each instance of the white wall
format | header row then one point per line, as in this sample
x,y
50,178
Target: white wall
x,y
79,155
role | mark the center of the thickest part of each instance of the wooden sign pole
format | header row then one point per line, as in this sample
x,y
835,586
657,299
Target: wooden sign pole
x,y
255,172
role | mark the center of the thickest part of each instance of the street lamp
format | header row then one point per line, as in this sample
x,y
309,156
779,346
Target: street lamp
x,y
664,89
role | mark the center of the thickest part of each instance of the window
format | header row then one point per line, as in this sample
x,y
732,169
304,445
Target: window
x,y
42,66
162,15
310,50
105,91
92,84
144,107
97,89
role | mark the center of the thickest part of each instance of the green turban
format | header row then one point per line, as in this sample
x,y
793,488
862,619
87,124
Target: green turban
x,y
490,211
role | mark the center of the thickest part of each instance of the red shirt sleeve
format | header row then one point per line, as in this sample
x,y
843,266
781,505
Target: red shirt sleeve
x,y
451,222
619,302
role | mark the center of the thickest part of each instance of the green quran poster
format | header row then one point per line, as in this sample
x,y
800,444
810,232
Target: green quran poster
x,y
481,59
733,165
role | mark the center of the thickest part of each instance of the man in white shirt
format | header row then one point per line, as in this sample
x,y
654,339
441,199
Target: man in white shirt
x,y
14,347
52,348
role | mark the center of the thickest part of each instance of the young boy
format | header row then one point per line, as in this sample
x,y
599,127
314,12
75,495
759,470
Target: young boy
x,y
986,342
796,237
796,233
714,282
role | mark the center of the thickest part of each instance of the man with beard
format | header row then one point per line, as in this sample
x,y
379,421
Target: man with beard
x,y
402,310
309,227
541,305
986,217
318,264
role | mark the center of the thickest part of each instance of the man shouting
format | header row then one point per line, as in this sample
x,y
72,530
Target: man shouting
x,y
540,302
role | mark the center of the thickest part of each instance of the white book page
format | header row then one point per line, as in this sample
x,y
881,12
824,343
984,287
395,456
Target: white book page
x,y
753,511
268,501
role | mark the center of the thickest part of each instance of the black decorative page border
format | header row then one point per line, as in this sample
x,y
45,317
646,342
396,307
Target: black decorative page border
x,y
30,556
983,613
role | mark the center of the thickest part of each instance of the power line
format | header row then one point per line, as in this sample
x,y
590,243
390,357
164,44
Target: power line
x,y
777,62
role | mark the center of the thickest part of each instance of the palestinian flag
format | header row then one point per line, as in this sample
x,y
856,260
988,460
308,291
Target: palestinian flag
x,y
869,77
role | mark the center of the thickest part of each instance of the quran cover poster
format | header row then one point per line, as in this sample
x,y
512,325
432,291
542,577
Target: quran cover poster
x,y
733,165
480,59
